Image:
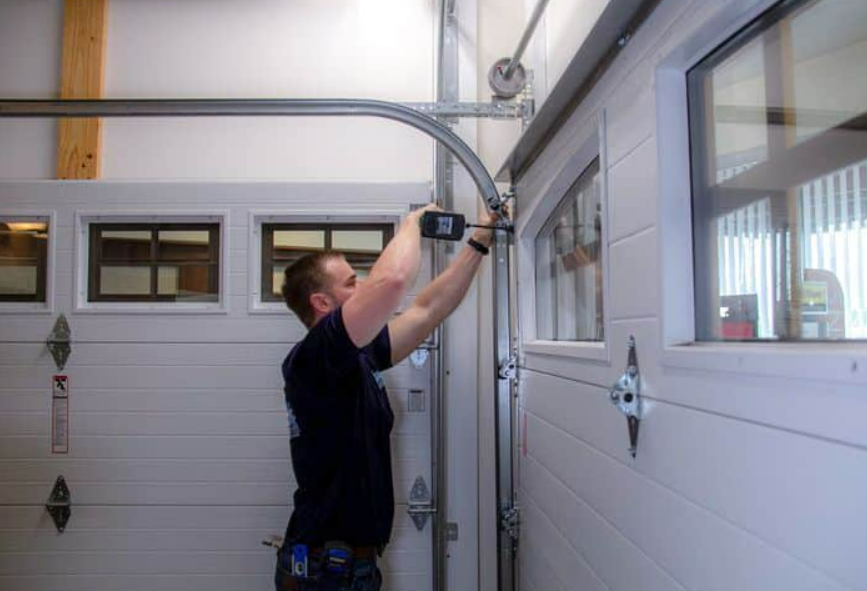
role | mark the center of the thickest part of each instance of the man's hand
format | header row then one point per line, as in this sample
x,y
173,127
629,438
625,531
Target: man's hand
x,y
484,235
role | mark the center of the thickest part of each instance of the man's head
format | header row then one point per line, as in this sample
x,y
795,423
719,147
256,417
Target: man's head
x,y
318,284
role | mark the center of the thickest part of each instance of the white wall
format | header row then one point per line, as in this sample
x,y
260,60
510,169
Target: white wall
x,y
226,49
558,37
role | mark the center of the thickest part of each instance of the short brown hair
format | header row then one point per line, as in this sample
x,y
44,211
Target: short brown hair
x,y
304,277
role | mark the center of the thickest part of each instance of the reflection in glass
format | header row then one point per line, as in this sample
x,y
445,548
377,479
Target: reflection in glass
x,y
569,266
125,245
290,241
184,245
23,261
360,241
779,140
124,281
186,283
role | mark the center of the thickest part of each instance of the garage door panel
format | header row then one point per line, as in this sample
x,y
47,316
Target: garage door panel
x,y
153,582
151,518
186,328
111,492
163,376
154,472
191,447
79,539
37,400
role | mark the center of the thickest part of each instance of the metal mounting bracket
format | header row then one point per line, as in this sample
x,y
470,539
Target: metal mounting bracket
x,y
418,358
496,109
59,504
59,342
509,370
625,394
510,521
420,506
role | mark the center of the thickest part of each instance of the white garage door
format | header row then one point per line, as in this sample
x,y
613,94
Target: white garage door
x,y
178,460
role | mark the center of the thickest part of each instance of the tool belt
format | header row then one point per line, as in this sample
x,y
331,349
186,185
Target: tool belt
x,y
334,560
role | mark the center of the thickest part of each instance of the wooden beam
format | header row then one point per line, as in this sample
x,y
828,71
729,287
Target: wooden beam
x,y
82,76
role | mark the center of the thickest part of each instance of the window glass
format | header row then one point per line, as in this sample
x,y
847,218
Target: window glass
x,y
180,245
778,120
154,262
23,261
569,265
283,244
360,241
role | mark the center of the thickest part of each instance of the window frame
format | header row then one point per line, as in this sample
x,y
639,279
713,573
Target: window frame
x,y
834,361
85,266
96,264
268,229
47,303
530,225
363,218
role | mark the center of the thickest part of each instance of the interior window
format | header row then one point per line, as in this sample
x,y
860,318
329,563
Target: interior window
x,y
569,265
778,123
23,260
154,262
283,244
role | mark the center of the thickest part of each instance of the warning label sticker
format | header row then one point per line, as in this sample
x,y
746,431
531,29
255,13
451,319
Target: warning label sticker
x,y
60,415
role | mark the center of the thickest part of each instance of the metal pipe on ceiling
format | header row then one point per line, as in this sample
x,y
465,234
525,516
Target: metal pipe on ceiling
x,y
538,11
264,108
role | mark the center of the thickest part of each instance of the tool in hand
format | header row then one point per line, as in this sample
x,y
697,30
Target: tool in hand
x,y
443,225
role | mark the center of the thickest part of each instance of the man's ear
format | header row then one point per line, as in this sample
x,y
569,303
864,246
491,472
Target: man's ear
x,y
320,302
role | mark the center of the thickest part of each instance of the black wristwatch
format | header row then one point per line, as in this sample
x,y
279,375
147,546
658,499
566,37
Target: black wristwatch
x,y
479,246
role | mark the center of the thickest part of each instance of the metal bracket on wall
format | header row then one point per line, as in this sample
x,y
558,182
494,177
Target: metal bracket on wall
x,y
625,394
59,342
59,504
493,110
420,505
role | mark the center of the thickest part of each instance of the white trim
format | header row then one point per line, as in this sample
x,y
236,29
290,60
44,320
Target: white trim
x,y
83,219
46,307
595,350
832,361
528,228
391,215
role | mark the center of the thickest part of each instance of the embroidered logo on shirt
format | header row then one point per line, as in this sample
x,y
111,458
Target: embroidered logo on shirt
x,y
380,381
294,429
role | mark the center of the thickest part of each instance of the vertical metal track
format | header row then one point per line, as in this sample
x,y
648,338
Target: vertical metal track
x,y
504,413
446,91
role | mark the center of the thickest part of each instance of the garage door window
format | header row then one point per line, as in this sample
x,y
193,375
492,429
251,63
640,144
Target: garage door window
x,y
283,244
778,119
569,265
23,260
154,263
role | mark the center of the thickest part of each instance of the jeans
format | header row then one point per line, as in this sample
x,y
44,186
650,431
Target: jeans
x,y
365,576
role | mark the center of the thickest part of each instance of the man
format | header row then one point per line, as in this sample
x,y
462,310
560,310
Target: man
x,y
339,415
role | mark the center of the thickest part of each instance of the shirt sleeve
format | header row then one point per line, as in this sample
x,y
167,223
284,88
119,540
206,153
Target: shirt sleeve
x,y
379,350
332,342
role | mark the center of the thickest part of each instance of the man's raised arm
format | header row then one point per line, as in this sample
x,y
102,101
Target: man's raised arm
x,y
378,296
439,298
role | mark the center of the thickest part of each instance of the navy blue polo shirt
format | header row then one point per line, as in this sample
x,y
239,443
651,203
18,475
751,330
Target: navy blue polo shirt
x,y
340,425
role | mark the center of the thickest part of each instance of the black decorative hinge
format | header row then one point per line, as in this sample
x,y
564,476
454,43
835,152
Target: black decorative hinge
x,y
59,504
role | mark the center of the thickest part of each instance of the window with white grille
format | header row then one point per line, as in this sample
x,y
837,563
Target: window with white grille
x,y
778,125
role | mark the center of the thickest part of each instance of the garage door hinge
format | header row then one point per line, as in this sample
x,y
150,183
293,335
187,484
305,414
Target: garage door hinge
x,y
420,503
510,522
59,342
508,370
